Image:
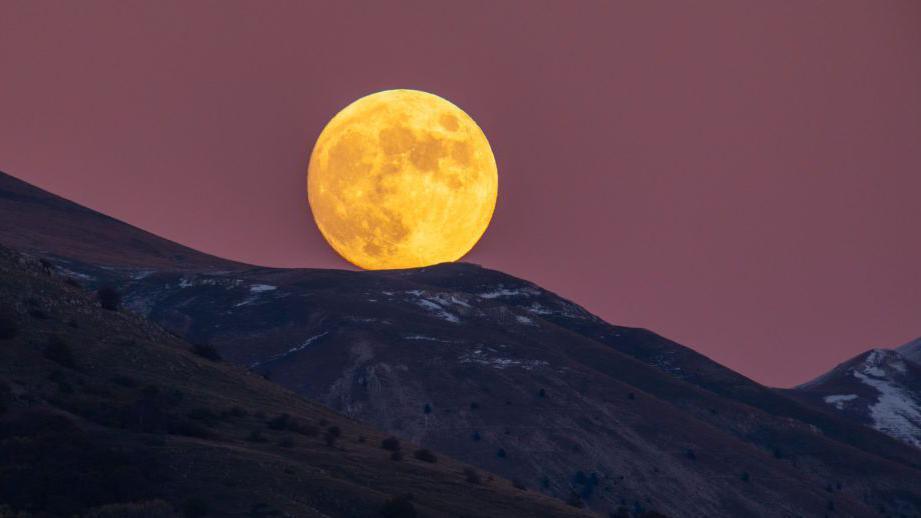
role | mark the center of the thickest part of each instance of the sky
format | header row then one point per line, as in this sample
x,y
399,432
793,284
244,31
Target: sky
x,y
741,177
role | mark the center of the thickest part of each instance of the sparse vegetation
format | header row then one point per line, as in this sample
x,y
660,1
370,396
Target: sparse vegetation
x,y
332,435
256,436
207,352
391,444
425,455
109,298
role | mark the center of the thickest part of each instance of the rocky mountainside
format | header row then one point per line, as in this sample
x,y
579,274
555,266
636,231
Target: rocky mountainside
x,y
105,414
880,388
499,373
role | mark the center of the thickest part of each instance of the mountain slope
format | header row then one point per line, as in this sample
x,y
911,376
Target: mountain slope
x,y
101,411
500,373
880,388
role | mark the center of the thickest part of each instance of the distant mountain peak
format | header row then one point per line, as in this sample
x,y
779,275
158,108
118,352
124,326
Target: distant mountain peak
x,y
911,350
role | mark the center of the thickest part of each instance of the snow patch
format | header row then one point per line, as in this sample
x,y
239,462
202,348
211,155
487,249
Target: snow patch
x,y
505,292
261,288
895,412
290,351
838,400
436,309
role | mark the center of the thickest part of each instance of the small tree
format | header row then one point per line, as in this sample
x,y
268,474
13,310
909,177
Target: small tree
x,y
471,476
108,298
425,455
207,352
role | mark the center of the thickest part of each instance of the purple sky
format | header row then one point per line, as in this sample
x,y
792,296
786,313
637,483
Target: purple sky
x,y
743,177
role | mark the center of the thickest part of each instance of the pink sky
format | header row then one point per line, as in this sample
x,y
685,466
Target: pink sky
x,y
742,177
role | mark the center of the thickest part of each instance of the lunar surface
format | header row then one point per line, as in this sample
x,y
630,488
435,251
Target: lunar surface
x,y
402,179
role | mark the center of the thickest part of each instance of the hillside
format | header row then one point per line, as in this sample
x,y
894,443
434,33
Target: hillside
x,y
104,413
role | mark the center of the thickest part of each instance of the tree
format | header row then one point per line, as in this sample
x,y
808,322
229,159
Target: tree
x,y
108,298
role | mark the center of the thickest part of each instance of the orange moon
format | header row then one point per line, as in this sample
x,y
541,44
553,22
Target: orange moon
x,y
402,179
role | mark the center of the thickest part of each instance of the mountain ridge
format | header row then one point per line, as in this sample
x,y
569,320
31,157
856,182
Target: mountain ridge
x,y
505,375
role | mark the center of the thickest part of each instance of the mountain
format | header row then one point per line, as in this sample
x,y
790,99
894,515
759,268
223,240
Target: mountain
x,y
494,371
880,388
103,413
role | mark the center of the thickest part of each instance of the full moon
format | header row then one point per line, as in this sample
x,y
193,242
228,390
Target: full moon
x,y
402,179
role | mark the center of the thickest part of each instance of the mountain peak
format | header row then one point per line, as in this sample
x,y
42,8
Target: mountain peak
x,y
911,350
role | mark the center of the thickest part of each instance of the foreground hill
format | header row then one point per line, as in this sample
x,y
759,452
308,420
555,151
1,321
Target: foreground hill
x,y
105,414
880,388
497,372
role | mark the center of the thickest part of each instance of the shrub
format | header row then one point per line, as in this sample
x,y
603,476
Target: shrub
x,y
182,426
195,508
38,314
279,422
476,436
391,444
256,436
396,455
745,476
235,411
425,455
575,500
689,453
399,507
541,393
108,298
471,476
70,281
286,442
207,352
631,396
124,381
331,435
427,409
57,350
501,453
519,485
8,327
474,405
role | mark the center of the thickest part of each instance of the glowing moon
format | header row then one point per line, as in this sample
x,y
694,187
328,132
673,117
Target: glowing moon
x,y
402,179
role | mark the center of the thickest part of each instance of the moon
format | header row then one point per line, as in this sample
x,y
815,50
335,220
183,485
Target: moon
x,y
402,179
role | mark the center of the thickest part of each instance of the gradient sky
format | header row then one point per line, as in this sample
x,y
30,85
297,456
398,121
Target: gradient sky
x,y
742,177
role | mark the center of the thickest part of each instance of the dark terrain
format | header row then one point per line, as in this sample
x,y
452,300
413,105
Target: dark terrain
x,y
494,371
104,414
